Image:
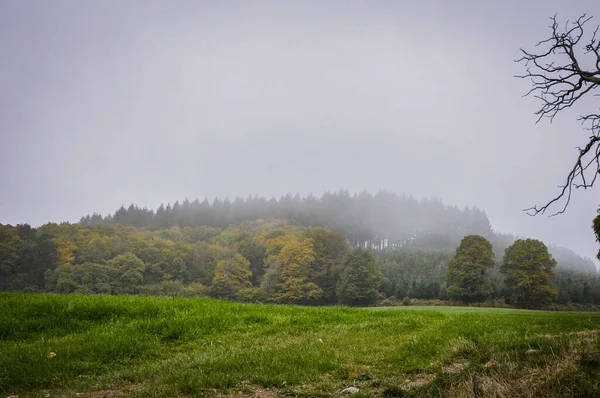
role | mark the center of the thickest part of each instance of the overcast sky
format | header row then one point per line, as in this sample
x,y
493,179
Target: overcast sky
x,y
110,102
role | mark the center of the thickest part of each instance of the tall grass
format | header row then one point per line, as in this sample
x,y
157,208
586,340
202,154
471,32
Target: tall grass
x,y
172,347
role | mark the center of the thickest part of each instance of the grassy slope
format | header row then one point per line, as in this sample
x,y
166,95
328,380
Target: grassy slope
x,y
149,346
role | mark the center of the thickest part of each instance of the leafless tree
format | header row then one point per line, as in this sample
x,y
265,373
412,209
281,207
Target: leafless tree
x,y
567,68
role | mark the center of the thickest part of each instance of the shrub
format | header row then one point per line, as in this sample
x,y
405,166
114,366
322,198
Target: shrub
x,y
194,290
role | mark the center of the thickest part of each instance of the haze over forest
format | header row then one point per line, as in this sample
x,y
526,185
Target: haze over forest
x,y
104,104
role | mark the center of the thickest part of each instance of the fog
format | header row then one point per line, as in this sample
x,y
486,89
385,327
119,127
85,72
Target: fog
x,y
109,103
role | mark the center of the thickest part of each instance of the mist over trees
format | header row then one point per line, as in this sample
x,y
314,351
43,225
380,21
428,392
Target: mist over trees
x,y
382,220
339,248
365,220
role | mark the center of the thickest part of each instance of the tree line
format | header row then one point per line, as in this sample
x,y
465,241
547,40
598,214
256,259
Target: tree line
x,y
380,221
365,220
422,273
266,261
527,267
270,260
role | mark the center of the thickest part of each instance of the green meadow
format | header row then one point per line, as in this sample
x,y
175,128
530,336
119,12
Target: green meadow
x,y
109,346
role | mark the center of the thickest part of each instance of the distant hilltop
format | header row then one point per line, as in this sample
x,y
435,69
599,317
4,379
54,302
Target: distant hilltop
x,y
377,221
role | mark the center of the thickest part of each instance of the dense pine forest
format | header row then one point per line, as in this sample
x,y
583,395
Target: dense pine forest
x,y
338,248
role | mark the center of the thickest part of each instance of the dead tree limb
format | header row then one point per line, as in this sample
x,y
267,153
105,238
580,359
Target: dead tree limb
x,y
567,68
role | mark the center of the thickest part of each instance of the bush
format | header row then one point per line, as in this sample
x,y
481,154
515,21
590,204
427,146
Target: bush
x,y
405,301
391,301
194,290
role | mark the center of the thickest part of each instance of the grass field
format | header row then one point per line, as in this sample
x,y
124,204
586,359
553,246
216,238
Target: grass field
x,y
105,346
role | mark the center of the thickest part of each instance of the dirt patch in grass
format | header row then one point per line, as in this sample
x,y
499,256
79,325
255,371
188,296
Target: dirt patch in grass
x,y
127,390
546,336
418,381
455,368
256,393
103,394
586,333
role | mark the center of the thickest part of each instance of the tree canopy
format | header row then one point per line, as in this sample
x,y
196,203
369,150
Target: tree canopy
x,y
288,261
233,279
466,275
360,280
529,270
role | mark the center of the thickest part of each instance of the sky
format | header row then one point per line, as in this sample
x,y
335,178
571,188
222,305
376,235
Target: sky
x,y
104,103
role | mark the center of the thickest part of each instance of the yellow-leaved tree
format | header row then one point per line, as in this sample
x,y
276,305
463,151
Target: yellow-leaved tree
x,y
64,250
232,280
296,286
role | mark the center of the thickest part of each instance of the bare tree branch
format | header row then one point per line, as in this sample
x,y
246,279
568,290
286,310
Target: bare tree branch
x,y
561,75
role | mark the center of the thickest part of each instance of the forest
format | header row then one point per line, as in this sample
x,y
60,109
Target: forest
x,y
338,248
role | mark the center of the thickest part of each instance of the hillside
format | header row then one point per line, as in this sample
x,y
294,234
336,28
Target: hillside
x,y
94,346
375,221
293,260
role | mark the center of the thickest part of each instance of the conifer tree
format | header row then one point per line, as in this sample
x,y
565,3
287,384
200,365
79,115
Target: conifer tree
x,y
360,279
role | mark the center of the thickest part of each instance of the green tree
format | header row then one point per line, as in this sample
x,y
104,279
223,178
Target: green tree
x,y
10,247
529,269
79,278
466,275
596,228
127,273
203,262
330,249
65,248
36,257
95,249
360,279
255,252
232,280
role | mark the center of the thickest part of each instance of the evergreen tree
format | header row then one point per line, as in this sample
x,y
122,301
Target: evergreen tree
x,y
360,279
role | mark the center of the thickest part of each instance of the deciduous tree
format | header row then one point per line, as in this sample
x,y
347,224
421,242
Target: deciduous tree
x,y
255,252
529,269
466,276
596,228
64,250
232,280
297,284
330,250
127,273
